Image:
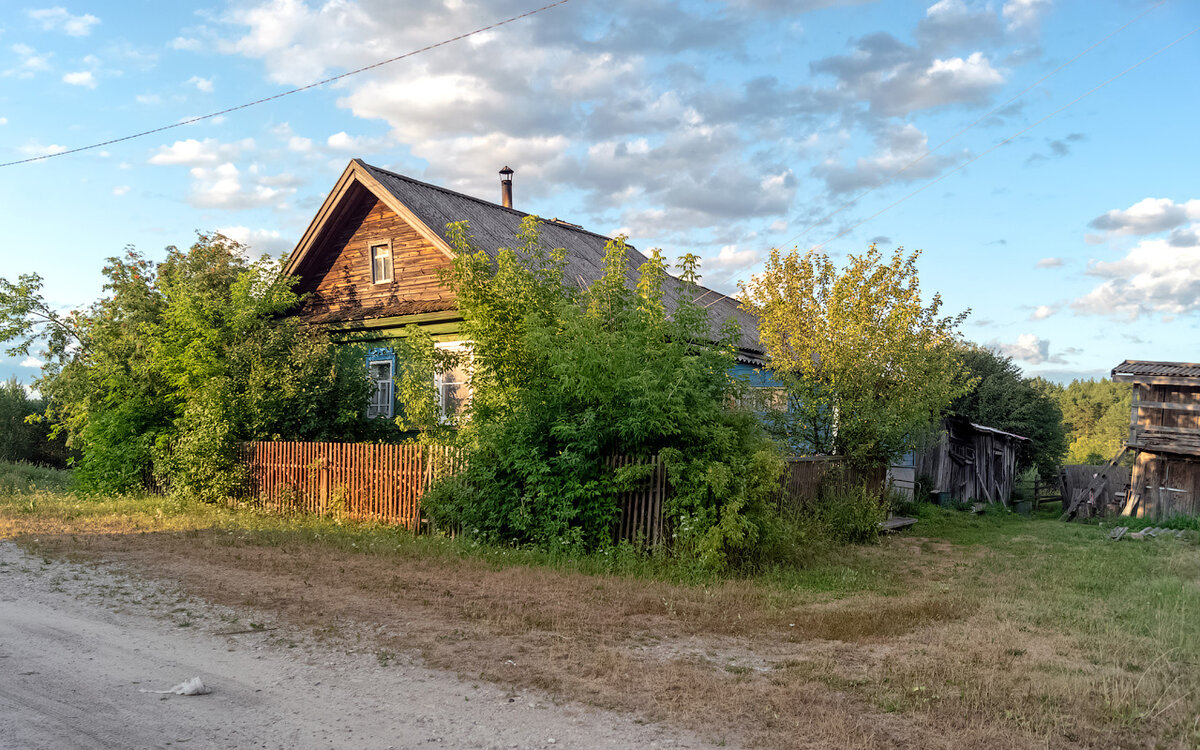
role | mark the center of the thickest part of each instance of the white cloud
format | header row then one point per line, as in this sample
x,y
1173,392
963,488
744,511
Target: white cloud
x,y
226,187
193,153
732,258
32,362
1050,263
1031,349
31,61
299,144
896,148
1158,276
186,44
3,120
203,84
1147,216
148,99
120,190
81,78
259,241
35,148
1024,14
343,141
1043,311
58,19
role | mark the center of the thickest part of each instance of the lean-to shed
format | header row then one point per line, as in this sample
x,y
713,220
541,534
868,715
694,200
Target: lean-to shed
x,y
972,462
1164,433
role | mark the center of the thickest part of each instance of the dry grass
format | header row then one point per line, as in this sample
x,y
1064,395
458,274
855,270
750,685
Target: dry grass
x,y
989,632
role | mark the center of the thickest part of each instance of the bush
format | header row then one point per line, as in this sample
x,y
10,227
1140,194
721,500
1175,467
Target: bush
x,y
564,378
851,514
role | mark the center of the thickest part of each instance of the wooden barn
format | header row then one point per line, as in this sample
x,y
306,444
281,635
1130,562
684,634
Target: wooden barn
x,y
971,462
1164,434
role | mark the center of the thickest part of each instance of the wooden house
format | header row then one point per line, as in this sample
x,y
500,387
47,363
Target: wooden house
x,y
369,266
971,462
1164,434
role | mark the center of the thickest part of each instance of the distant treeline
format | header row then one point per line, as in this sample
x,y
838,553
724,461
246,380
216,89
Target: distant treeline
x,y
24,437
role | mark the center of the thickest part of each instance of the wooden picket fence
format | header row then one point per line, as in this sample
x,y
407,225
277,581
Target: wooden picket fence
x,y
385,483
640,518
362,481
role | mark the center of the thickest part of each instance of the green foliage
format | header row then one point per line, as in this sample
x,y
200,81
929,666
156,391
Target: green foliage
x,y
20,478
564,378
1096,415
1002,398
869,366
24,431
851,514
182,360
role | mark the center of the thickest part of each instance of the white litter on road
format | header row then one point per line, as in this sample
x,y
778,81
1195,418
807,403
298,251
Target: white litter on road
x,y
193,686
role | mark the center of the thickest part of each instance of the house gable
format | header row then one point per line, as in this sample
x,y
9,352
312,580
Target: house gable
x,y
334,263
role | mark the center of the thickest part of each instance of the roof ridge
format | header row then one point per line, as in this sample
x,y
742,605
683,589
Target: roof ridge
x,y
565,225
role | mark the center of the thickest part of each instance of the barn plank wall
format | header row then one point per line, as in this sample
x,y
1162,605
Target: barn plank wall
x,y
971,464
1165,432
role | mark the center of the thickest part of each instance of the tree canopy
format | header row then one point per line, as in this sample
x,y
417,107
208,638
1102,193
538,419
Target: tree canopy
x,y
181,360
1001,397
869,365
1096,415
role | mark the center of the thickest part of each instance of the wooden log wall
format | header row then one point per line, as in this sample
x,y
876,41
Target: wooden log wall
x,y
366,482
340,275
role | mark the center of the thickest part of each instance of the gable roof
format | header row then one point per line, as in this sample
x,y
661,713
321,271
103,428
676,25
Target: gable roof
x,y
1138,370
429,208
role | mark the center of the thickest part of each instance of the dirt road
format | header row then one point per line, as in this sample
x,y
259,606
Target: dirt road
x,y
78,643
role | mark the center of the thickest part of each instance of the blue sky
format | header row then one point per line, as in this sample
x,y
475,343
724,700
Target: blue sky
x,y
723,127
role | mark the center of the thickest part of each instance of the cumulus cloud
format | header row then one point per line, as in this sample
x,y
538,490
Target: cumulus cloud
x,y
30,61
35,148
259,241
1155,277
120,190
194,153
897,79
1147,216
1033,350
1024,14
202,84
1041,312
227,187
1050,263
32,362
58,19
81,78
897,147
188,44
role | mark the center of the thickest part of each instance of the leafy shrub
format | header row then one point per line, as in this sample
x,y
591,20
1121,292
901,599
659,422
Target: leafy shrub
x,y
851,514
564,378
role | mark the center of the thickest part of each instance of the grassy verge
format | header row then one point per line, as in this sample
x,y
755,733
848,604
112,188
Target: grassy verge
x,y
991,630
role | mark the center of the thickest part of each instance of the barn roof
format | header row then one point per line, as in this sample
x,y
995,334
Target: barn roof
x,y
1137,370
494,226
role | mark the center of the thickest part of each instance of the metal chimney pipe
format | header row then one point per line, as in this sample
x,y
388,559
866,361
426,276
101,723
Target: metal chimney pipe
x,y
506,187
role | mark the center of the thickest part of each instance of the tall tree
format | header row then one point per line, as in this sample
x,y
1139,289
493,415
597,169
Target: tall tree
x,y
1003,398
869,365
1096,413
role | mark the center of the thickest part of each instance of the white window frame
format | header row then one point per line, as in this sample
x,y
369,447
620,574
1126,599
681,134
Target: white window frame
x,y
439,379
375,410
390,267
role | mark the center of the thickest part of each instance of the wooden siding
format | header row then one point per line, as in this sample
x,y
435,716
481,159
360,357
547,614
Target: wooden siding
x,y
971,464
338,273
1165,418
804,478
1164,486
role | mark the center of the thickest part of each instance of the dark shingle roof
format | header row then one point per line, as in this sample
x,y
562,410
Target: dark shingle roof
x,y
494,226
1132,369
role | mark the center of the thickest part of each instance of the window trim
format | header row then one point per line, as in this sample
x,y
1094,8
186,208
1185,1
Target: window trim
x,y
382,357
438,382
391,266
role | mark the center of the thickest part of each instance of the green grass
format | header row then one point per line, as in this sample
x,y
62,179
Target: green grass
x,y
23,479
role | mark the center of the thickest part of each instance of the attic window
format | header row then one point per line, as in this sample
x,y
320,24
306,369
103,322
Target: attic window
x,y
381,262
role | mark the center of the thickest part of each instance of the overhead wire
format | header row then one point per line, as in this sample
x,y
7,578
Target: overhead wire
x,y
998,108
1008,140
200,118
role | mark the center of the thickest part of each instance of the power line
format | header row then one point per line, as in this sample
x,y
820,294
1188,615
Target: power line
x,y
982,117
347,74
1009,139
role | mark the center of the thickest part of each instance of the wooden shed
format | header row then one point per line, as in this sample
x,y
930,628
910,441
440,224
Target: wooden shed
x,y
1164,434
972,462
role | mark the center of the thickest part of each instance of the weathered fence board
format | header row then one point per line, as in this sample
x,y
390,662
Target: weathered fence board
x,y
805,477
368,482
640,511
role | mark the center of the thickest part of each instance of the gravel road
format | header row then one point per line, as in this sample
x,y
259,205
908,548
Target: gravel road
x,y
78,642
